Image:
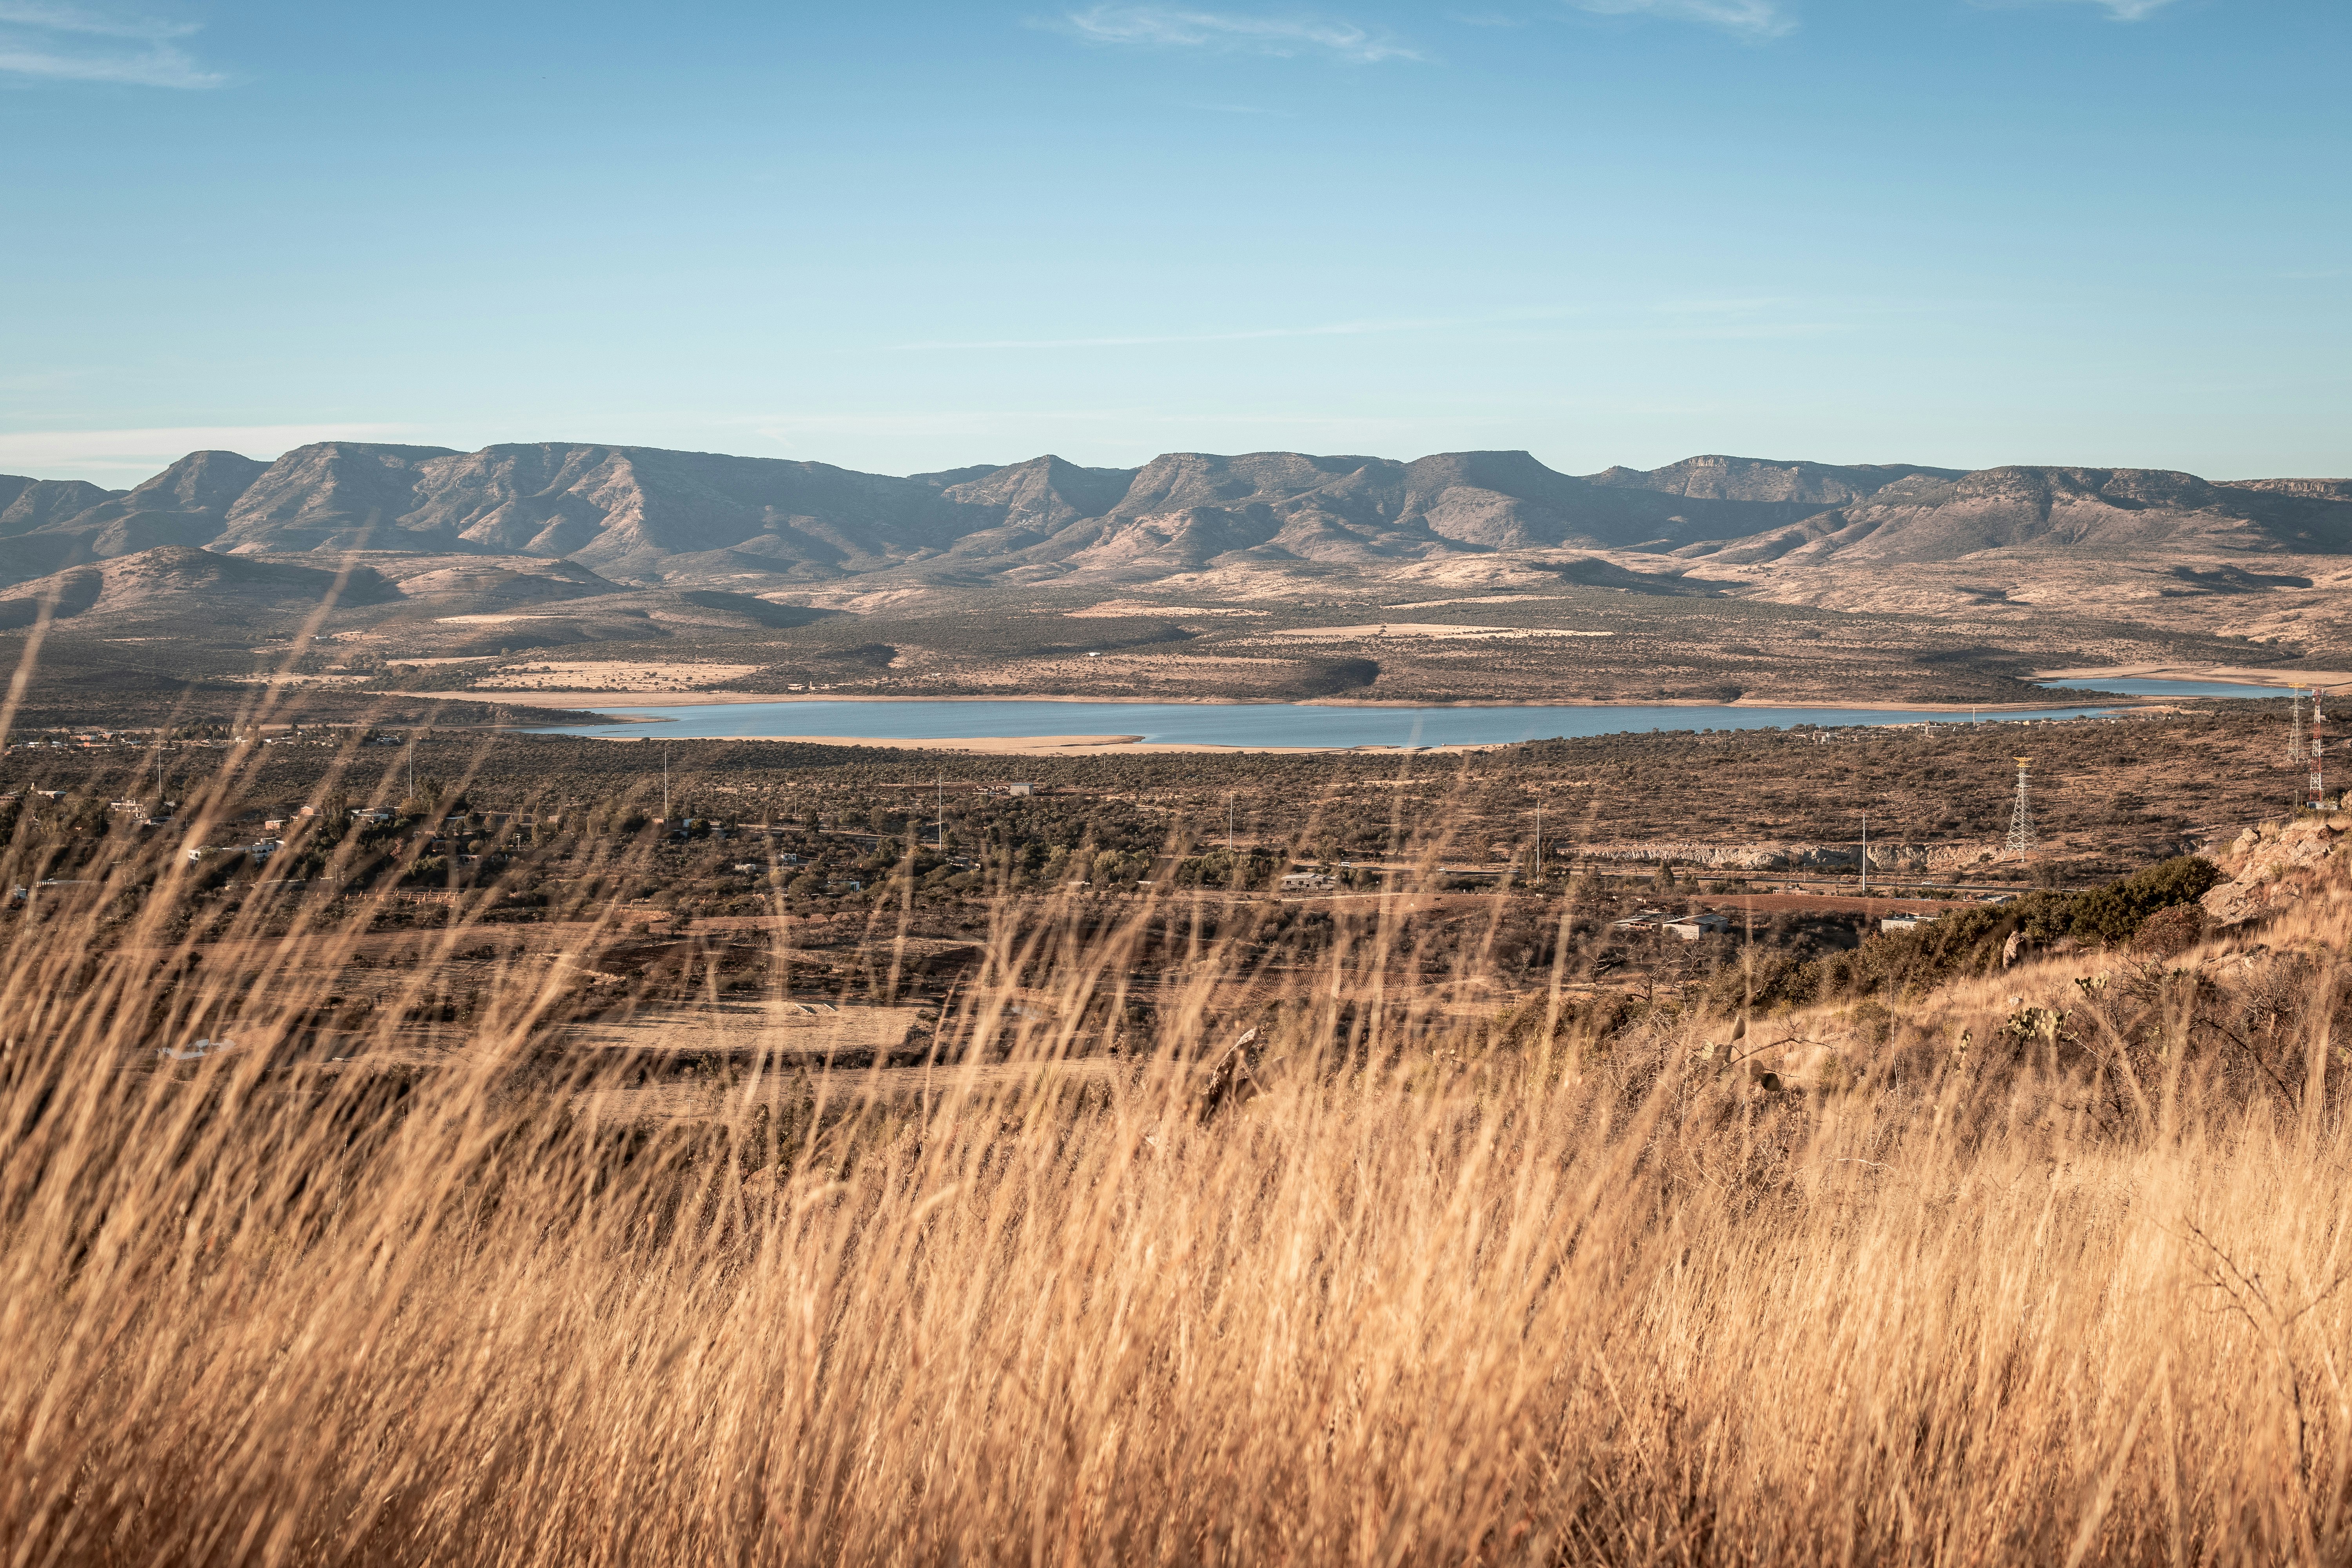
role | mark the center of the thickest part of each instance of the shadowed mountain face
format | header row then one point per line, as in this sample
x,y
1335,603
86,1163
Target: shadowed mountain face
x,y
188,503
636,515
173,579
29,504
30,507
1763,479
1931,516
457,604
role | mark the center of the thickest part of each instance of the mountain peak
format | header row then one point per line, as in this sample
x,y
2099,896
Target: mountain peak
x,y
647,514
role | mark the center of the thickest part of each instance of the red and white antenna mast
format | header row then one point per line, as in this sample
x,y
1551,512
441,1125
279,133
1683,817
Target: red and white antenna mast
x,y
2318,748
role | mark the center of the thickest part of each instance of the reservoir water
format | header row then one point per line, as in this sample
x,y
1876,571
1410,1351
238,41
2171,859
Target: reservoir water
x,y
1274,724
1253,724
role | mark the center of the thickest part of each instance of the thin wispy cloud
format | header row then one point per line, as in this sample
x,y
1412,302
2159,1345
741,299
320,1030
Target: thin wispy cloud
x,y
1751,18
1723,307
1684,320
1180,26
1663,319
2116,10
821,433
1256,334
1242,108
72,43
2128,10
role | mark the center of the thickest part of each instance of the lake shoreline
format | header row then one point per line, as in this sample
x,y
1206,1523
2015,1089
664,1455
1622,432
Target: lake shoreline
x,y
1012,727
590,701
1065,745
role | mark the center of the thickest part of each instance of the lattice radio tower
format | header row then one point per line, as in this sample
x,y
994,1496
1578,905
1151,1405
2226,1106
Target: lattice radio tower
x,y
2318,752
2295,725
2022,841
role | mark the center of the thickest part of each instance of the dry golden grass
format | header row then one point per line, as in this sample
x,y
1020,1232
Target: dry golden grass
x,y
1434,1293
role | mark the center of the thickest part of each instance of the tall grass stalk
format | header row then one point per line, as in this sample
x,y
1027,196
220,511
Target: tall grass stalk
x,y
1436,1292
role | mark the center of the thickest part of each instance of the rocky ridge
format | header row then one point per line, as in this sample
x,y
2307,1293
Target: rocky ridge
x,y
641,516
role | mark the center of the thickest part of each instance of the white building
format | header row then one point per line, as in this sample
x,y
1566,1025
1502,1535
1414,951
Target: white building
x,y
1697,926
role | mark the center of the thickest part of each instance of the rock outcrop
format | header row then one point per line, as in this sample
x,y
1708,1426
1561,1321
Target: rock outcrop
x,y
2271,867
1907,858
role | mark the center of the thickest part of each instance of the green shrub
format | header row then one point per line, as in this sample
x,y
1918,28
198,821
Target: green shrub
x,y
1969,940
2112,914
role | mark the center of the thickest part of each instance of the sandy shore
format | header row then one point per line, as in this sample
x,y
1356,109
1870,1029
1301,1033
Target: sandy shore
x,y
1133,745
2280,680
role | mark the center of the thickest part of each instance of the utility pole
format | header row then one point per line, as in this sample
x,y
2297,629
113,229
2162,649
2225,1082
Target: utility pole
x,y
665,784
1865,852
1229,825
940,806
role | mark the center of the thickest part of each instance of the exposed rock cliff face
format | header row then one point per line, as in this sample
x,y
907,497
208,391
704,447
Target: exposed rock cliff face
x,y
335,494
2273,866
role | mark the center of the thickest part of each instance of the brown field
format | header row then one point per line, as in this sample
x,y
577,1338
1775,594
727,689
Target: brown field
x,y
571,675
1150,1226
1430,629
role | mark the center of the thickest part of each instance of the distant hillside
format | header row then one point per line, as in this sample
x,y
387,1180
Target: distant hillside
x,y
1931,516
635,517
452,603
27,504
1717,477
178,581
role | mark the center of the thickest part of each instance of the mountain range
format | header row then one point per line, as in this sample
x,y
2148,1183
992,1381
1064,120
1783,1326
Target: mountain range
x,y
639,518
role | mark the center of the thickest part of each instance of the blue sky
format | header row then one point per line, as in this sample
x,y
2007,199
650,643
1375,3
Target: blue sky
x,y
901,237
